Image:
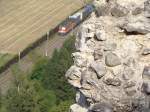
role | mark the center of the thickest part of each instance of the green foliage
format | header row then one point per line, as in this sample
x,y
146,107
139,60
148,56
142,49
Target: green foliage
x,y
46,88
54,77
62,107
29,96
52,73
39,69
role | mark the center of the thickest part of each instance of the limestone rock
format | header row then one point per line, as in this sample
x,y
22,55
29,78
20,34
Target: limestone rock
x,y
130,91
81,99
74,75
138,24
146,51
128,73
129,84
99,68
146,88
119,11
146,72
137,11
77,108
147,6
101,35
112,60
110,46
101,107
102,7
102,10
110,79
98,54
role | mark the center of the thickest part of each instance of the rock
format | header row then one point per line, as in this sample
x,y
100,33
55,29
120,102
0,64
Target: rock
x,y
101,35
98,54
146,88
110,46
81,59
140,105
147,6
129,88
81,99
138,24
101,107
119,11
99,68
128,73
88,79
146,72
137,11
113,81
77,108
102,11
102,8
130,92
110,79
129,84
146,51
74,76
112,60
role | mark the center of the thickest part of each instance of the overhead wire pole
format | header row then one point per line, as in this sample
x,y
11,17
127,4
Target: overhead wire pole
x,y
46,47
19,58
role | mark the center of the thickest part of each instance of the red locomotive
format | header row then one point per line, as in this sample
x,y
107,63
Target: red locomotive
x,y
75,19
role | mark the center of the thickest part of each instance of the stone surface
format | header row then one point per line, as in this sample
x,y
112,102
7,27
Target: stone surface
x,y
146,51
119,11
138,24
146,88
112,61
128,73
101,35
98,54
99,68
146,72
111,80
137,11
77,108
101,107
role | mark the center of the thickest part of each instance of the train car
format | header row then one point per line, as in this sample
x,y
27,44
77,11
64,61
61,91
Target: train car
x,y
87,11
74,20
70,23
66,27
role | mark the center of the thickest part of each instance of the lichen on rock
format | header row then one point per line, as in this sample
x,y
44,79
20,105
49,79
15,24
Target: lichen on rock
x,y
112,63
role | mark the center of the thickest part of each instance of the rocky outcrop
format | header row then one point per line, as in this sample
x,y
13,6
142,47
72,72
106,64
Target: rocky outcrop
x,y
111,70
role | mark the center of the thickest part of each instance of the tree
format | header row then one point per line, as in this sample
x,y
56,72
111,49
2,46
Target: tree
x,y
62,107
29,97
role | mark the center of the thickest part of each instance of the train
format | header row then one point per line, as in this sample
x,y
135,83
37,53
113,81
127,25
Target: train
x,y
72,21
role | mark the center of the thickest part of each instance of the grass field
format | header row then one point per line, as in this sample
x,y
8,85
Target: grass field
x,y
22,22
